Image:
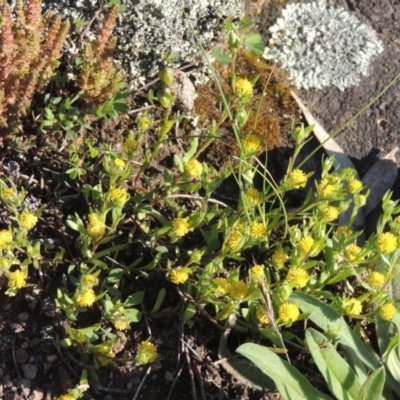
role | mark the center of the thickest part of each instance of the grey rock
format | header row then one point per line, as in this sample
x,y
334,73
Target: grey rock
x,y
29,371
22,356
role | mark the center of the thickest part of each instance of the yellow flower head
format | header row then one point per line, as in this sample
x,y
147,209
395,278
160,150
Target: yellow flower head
x,y
5,238
222,286
67,397
352,252
376,279
343,231
257,272
145,123
180,227
354,186
306,244
7,193
95,228
352,307
360,200
325,189
288,313
119,163
146,353
238,290
17,279
262,316
253,196
90,280
251,143
86,298
130,146
258,230
119,196
386,242
298,278
106,353
194,168
330,213
121,323
297,179
179,275
234,240
243,88
387,311
28,219
279,257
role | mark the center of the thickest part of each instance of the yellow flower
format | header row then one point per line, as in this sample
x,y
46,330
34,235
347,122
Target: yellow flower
x,y
298,178
17,279
130,146
253,196
376,279
258,230
279,256
86,298
288,312
222,286
119,196
119,163
90,280
243,88
343,231
354,185
330,213
352,252
5,238
96,229
145,123
387,311
180,227
251,143
28,220
147,353
261,315
298,278
234,240
67,397
193,168
352,307
306,244
121,323
106,353
238,290
325,189
179,275
7,193
386,242
360,200
257,272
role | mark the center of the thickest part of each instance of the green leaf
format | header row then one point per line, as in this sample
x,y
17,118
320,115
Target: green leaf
x,y
121,107
340,378
291,384
134,299
192,150
253,38
115,275
373,387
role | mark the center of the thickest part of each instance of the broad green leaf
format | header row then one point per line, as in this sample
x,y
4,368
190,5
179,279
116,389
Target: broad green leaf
x,y
373,386
134,299
340,378
291,384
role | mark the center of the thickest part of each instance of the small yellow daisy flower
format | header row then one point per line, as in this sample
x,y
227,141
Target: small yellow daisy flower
x,y
343,231
179,275
298,278
130,146
376,279
257,272
90,280
262,316
288,312
119,163
352,307
258,230
279,256
222,286
146,353
17,279
251,143
325,189
387,311
121,323
145,123
234,240
95,228
119,196
330,213
194,168
67,397
243,88
180,227
7,193
386,242
360,200
104,358
306,244
5,238
352,252
354,185
298,178
86,298
28,219
238,290
253,196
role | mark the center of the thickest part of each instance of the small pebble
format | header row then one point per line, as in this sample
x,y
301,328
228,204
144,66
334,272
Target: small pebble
x,y
36,395
22,356
51,358
31,359
24,316
25,345
29,371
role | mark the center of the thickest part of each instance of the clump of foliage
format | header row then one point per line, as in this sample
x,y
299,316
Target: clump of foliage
x,y
30,47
